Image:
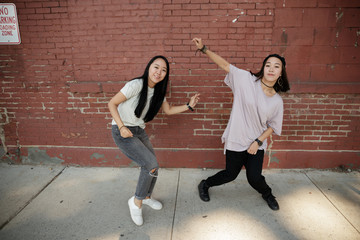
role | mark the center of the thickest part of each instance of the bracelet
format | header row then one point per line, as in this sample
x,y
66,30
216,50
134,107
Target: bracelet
x,y
121,127
189,107
203,50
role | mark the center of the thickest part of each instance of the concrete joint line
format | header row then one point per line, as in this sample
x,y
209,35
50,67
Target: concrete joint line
x,y
331,202
176,198
28,202
178,149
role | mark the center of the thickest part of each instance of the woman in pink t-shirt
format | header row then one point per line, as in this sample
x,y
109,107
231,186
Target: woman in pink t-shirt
x,y
257,112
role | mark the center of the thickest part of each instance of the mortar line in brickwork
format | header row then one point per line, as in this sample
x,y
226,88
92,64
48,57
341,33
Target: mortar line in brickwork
x,y
28,202
309,150
176,197
313,182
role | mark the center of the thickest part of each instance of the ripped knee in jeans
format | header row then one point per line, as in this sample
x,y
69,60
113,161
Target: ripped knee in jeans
x,y
154,172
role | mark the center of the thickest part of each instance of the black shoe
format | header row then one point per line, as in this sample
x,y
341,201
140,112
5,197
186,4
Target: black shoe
x,y
271,201
204,191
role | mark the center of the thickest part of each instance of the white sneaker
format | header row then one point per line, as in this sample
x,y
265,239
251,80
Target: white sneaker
x,y
154,204
135,212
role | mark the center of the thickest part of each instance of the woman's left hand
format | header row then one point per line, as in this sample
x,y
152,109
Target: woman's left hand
x,y
194,100
253,148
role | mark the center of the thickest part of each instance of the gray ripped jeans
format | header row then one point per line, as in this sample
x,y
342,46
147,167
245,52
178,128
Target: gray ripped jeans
x,y
139,149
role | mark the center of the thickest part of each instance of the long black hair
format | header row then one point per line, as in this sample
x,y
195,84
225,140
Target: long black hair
x,y
282,84
159,92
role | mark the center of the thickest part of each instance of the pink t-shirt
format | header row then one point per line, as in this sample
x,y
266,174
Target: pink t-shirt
x,y
252,111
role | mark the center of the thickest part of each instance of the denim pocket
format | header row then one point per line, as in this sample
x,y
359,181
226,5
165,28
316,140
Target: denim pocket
x,y
115,131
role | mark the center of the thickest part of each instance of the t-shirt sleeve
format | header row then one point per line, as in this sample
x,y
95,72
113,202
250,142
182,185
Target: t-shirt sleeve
x,y
276,120
131,88
236,78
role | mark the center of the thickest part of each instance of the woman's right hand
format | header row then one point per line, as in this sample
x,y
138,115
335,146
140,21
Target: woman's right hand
x,y
198,43
125,132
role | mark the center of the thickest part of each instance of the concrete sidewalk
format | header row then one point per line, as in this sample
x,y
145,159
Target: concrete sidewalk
x,y
57,202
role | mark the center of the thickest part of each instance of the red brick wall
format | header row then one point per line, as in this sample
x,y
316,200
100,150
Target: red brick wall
x,y
75,55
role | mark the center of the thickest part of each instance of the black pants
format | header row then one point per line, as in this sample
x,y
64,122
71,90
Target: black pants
x,y
234,162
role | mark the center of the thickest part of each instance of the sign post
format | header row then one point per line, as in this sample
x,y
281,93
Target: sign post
x,y
9,27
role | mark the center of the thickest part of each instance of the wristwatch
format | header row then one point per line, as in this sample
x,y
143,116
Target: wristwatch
x,y
259,142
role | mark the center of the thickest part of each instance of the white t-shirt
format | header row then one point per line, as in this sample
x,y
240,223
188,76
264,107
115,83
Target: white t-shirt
x,y
252,111
126,109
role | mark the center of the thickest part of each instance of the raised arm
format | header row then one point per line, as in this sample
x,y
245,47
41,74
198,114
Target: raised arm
x,y
222,63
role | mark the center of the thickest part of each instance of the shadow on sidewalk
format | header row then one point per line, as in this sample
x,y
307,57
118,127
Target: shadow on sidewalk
x,y
91,203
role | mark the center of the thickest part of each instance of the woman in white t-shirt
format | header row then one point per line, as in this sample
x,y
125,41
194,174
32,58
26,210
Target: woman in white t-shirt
x,y
257,112
138,102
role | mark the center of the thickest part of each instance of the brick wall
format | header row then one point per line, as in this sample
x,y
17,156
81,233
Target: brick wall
x,y
75,55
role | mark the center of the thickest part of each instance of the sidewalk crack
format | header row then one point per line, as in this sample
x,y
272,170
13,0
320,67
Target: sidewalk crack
x,y
32,198
331,202
176,198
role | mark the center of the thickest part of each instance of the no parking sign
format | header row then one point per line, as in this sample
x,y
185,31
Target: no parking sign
x,y
9,27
